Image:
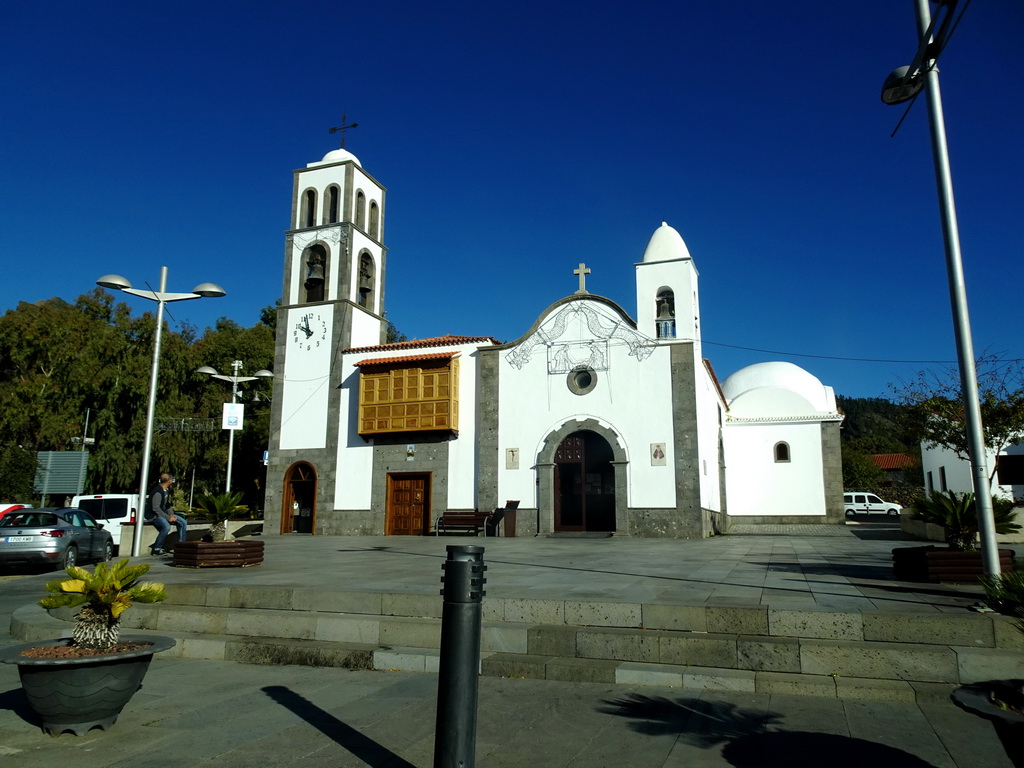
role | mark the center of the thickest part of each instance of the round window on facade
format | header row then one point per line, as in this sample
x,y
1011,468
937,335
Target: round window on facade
x,y
582,380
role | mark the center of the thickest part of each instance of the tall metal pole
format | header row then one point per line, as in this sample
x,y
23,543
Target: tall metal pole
x,y
140,517
958,300
236,365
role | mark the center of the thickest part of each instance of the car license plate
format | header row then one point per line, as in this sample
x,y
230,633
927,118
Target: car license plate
x,y
16,539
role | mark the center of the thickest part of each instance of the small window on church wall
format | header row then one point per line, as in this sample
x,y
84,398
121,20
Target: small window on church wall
x,y
365,290
315,259
309,208
581,380
331,213
374,219
361,210
665,313
781,452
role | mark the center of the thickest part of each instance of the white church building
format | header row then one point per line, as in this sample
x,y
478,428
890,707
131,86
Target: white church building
x,y
593,420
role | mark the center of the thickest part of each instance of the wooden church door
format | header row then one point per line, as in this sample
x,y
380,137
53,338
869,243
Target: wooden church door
x,y
299,510
408,504
584,484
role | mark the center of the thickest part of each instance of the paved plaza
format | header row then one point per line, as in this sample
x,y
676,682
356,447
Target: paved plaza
x,y
196,713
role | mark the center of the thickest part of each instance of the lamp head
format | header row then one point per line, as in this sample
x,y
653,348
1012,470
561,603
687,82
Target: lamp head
x,y
113,282
263,373
898,87
207,370
209,290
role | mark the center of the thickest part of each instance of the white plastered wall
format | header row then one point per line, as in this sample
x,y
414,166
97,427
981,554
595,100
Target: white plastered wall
x,y
758,485
632,398
305,390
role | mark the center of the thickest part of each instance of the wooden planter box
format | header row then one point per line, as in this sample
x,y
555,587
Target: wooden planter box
x,y
935,564
218,554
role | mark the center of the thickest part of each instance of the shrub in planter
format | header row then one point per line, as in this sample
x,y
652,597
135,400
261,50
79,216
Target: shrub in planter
x,y
218,509
85,683
957,515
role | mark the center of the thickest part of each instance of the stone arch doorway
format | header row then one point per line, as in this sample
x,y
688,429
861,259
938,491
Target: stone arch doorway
x,y
298,514
582,476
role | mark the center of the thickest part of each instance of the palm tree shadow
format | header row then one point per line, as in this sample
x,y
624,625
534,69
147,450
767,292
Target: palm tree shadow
x,y
357,743
752,739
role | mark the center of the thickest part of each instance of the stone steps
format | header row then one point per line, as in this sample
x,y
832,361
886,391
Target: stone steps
x,y
882,656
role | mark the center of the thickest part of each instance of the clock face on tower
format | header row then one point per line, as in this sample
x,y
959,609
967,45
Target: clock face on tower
x,y
310,332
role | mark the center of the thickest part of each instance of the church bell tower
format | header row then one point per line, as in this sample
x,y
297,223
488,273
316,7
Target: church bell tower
x,y
332,299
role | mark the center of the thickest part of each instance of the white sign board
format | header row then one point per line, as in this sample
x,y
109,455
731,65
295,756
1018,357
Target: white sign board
x,y
233,416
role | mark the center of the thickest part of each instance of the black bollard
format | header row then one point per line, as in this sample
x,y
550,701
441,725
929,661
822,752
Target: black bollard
x,y
458,674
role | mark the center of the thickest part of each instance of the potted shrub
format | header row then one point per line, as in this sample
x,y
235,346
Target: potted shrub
x,y
219,509
1001,701
83,683
960,561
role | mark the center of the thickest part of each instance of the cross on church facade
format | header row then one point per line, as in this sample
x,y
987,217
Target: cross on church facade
x,y
342,128
582,271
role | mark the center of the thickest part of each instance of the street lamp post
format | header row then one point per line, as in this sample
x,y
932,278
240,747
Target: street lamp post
x,y
161,297
235,380
903,85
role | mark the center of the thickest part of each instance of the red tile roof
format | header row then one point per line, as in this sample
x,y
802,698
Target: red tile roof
x,y
436,341
407,358
892,460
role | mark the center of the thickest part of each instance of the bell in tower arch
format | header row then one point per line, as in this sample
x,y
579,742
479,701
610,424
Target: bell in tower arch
x,y
315,275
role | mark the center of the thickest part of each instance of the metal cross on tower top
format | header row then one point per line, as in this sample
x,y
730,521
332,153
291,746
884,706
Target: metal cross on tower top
x,y
582,271
342,128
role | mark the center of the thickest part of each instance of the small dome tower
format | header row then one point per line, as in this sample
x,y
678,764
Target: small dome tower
x,y
667,308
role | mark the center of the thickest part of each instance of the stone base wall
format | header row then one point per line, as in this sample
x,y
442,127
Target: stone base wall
x,y
665,524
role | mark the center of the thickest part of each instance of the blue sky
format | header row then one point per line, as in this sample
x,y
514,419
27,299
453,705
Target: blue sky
x,y
516,140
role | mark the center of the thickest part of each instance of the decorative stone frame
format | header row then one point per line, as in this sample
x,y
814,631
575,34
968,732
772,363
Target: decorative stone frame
x,y
581,380
546,472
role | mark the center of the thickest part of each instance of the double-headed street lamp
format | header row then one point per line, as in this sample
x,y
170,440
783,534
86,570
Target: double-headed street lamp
x,y
161,297
903,85
235,380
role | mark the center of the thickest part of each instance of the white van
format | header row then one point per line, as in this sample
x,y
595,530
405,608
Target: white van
x,y
868,504
110,509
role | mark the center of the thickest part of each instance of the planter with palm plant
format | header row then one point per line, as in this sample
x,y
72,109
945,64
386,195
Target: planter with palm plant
x,y
83,683
960,561
219,509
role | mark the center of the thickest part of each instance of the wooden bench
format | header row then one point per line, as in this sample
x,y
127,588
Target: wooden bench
x,y
472,520
463,520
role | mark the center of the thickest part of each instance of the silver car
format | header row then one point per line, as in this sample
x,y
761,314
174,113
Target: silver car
x,y
58,537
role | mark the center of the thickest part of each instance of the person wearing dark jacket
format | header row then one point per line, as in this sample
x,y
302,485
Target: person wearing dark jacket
x,y
160,513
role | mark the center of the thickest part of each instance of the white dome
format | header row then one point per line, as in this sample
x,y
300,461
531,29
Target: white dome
x,y
337,156
778,387
666,245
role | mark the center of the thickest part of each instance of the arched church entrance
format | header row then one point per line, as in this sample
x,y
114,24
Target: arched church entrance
x,y
299,512
584,481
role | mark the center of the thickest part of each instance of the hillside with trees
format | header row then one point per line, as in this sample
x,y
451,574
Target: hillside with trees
x,y
875,425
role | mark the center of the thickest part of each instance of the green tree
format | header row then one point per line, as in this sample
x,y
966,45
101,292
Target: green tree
x,y
219,347
393,335
60,361
17,473
935,402
859,471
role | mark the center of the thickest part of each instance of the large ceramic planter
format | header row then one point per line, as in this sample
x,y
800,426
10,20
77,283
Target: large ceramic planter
x,y
218,554
988,700
83,693
937,564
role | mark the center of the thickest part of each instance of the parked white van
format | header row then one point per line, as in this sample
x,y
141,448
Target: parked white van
x,y
868,504
110,509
